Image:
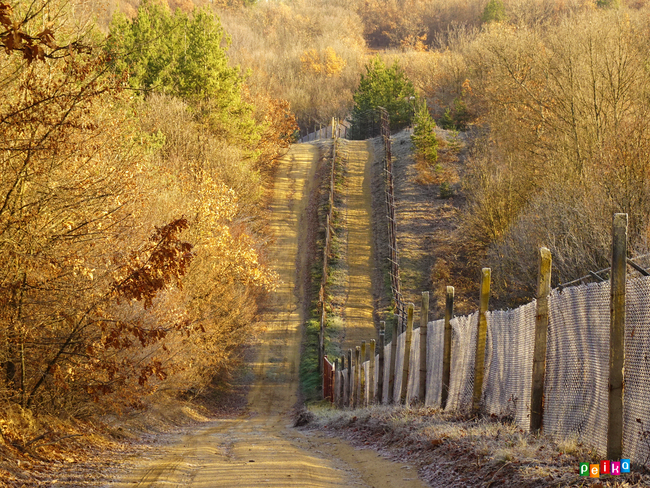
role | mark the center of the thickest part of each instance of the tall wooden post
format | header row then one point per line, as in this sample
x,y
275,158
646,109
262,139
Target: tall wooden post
x,y
380,375
407,353
617,336
424,320
362,376
371,376
541,328
393,364
446,352
350,380
481,337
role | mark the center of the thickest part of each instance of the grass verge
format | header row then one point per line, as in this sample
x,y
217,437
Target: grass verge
x,y
310,380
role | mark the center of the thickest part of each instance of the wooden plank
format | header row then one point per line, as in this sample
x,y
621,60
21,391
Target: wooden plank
x,y
424,320
617,336
541,329
481,337
362,376
357,377
373,386
446,361
350,380
393,355
380,381
407,352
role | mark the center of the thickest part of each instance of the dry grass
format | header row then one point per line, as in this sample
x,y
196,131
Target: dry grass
x,y
458,451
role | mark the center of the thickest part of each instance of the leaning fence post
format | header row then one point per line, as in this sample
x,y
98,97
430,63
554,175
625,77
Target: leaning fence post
x,y
541,328
380,375
481,336
371,375
617,336
407,353
424,320
446,351
393,364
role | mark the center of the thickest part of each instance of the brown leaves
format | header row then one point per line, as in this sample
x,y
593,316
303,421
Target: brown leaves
x,y
16,39
167,262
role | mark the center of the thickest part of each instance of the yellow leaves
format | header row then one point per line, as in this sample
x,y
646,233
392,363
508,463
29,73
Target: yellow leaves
x,y
326,63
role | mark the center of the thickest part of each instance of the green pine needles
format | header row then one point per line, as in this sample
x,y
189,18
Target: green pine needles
x,y
386,87
424,137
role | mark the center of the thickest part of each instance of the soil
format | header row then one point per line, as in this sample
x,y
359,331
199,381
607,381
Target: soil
x,y
357,307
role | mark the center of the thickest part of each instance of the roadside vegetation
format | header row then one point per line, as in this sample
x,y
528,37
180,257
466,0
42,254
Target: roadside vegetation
x,y
131,215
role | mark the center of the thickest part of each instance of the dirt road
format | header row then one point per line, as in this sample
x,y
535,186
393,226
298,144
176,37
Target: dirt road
x,y
260,448
358,308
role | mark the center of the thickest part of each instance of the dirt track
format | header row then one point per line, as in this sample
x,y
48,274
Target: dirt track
x,y
358,308
260,448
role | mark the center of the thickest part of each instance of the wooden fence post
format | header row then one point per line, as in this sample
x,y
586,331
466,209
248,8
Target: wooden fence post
x,y
380,376
350,380
541,328
362,377
481,337
424,320
371,375
407,353
446,352
617,336
393,363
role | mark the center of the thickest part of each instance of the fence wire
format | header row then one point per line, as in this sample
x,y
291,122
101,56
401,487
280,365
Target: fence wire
x,y
463,351
435,357
509,358
636,401
577,364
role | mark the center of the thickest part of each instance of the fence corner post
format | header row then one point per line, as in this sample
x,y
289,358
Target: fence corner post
x,y
617,336
541,329
481,337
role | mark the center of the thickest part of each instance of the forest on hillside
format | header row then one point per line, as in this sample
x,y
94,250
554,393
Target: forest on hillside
x,y
137,142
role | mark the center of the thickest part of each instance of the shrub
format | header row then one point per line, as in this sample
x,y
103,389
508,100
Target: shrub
x,y
423,137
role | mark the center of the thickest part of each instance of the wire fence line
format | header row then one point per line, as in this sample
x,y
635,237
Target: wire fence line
x,y
337,129
581,358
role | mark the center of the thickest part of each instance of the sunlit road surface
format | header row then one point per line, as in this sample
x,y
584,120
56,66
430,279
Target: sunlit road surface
x,y
260,448
358,304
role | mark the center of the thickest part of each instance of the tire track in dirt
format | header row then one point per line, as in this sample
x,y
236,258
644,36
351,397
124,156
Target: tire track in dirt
x,y
260,448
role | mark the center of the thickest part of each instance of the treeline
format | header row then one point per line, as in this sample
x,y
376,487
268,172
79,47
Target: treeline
x,y
132,231
551,92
